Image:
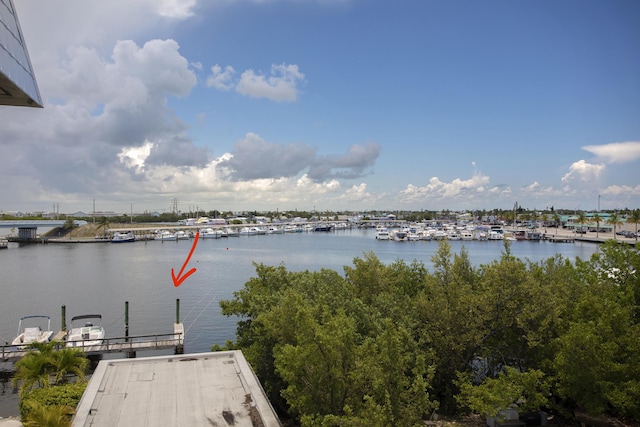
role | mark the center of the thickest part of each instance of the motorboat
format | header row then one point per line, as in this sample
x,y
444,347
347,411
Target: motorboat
x,y
182,235
32,334
210,233
123,237
292,228
398,235
230,232
273,229
90,334
466,235
382,233
165,235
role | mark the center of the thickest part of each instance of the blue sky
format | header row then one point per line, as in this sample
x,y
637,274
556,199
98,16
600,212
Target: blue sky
x,y
327,105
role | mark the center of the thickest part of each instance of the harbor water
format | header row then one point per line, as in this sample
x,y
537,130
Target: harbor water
x,y
98,278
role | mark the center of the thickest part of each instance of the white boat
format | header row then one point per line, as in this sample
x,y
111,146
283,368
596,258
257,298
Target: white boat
x,y
32,334
210,233
165,235
273,229
182,235
292,228
466,235
89,334
398,235
382,233
413,236
453,235
248,231
439,235
495,235
230,232
123,237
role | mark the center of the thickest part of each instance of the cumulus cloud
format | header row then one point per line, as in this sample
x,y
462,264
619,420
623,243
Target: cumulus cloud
x,y
105,120
438,190
281,85
616,152
581,172
255,158
624,190
177,9
221,79
358,194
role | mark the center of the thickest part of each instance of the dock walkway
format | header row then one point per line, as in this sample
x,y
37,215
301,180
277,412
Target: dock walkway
x,y
129,345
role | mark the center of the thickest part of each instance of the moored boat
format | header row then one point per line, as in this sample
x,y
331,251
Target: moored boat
x,y
210,233
89,334
382,233
165,235
32,334
123,237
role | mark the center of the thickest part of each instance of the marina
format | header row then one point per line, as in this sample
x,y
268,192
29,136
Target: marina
x,y
98,278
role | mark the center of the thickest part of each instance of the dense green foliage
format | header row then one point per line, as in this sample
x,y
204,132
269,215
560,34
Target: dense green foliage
x,y
47,395
55,404
386,345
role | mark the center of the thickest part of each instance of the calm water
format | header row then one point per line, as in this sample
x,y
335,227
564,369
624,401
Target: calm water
x,y
100,277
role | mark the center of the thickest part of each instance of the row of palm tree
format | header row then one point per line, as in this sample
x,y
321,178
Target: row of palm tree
x,y
614,220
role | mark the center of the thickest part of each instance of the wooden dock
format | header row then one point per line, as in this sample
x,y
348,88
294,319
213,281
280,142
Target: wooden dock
x,y
129,345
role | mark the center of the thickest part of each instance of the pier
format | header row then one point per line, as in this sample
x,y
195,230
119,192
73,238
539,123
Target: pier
x,y
127,344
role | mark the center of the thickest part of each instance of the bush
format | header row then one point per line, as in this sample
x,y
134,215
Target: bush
x,y
66,395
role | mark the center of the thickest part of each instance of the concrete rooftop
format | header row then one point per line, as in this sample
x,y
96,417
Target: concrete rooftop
x,y
204,389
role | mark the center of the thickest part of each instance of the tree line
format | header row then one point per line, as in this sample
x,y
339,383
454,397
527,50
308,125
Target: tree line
x,y
387,345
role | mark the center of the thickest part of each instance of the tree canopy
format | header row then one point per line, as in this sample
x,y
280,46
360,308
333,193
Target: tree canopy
x,y
386,345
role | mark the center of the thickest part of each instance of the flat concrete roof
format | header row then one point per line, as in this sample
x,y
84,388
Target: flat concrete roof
x,y
203,389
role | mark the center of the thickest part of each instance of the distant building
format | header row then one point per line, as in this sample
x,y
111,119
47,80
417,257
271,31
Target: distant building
x,y
18,85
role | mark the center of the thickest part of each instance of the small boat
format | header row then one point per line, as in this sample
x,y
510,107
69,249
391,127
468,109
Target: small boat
x,y
382,233
32,334
230,232
123,237
466,235
88,335
273,229
210,233
323,227
165,235
398,235
248,231
182,235
292,228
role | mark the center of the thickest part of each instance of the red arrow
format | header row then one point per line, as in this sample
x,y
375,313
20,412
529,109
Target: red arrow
x,y
177,281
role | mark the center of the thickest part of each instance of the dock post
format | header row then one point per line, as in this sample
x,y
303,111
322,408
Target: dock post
x,y
178,330
128,354
126,320
63,318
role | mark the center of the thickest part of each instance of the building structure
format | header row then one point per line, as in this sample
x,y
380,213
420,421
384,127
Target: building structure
x,y
202,389
18,85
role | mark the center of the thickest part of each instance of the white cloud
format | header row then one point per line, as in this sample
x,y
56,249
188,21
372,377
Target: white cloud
x,y
625,190
457,189
359,196
177,9
282,85
616,152
221,80
581,172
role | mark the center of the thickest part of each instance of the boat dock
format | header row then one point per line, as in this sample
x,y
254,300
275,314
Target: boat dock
x,y
129,345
